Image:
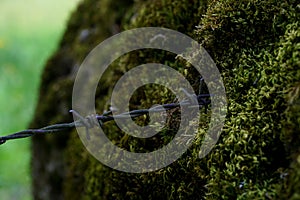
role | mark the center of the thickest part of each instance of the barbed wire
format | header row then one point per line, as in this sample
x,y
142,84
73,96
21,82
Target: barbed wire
x,y
90,121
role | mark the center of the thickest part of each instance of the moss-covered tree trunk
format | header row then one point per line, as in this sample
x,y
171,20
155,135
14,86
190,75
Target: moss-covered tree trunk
x,y
255,45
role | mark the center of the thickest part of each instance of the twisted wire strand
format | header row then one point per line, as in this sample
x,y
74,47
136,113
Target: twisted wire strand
x,y
203,100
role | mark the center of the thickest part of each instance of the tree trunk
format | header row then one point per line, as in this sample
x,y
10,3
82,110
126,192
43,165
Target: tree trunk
x,y
255,45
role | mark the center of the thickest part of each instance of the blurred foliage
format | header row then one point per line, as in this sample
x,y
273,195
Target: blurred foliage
x,y
29,32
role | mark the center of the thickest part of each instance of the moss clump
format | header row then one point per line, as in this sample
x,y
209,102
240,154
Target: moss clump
x,y
291,187
258,70
171,182
289,56
255,45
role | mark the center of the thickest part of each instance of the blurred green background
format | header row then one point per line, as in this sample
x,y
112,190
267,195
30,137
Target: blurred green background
x,y
29,33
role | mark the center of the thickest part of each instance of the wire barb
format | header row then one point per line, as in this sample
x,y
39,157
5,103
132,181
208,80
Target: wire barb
x,y
98,120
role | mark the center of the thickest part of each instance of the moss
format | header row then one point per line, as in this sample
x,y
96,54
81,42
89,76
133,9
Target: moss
x,y
288,55
150,185
291,187
256,78
255,45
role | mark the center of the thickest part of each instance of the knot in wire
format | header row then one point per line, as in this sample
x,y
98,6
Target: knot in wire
x,y
192,98
2,141
88,122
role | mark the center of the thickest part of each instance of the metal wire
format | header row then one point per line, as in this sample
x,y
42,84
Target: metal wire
x,y
94,120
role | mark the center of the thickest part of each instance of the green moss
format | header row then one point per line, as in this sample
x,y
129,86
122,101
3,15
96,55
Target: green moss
x,y
289,55
172,182
291,187
256,77
255,45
